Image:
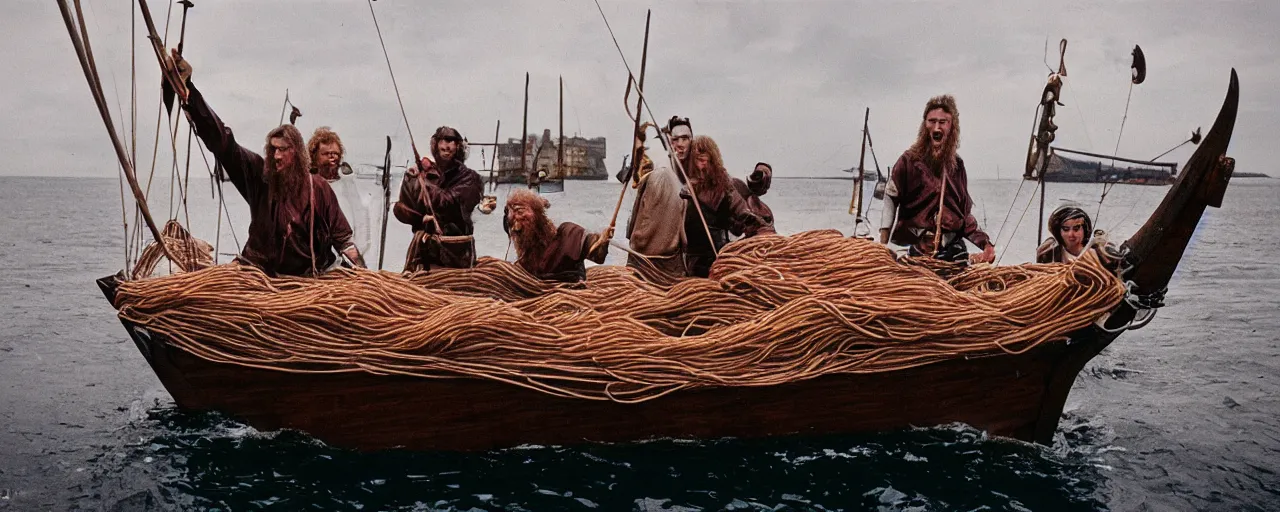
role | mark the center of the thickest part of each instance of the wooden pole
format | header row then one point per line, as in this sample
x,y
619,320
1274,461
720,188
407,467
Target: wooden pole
x,y
386,201
560,150
493,162
644,62
524,139
95,87
855,204
637,149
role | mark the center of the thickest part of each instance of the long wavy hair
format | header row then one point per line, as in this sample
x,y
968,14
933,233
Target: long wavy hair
x,y
532,239
921,148
714,183
285,181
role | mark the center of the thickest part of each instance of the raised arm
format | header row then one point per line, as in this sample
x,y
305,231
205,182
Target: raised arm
x,y
241,165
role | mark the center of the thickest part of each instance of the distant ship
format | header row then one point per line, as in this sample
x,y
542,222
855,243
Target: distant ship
x,y
1082,167
868,175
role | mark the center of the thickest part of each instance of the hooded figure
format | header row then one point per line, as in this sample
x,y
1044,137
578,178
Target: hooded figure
x,y
544,250
436,200
656,227
1071,230
757,185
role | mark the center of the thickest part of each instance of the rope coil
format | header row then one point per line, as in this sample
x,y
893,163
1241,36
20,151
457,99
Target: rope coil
x,y
775,310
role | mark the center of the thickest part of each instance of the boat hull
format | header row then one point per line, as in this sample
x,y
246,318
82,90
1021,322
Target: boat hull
x,y
1018,396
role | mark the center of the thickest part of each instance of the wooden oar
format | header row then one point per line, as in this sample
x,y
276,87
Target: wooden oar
x,y
417,158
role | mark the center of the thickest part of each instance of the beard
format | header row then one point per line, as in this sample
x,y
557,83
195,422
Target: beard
x,y
327,171
446,163
938,156
284,185
533,237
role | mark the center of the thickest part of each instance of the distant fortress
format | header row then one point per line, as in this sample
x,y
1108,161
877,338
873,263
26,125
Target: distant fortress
x,y
583,158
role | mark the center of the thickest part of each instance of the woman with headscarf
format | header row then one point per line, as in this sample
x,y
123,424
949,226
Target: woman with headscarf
x,y
1071,230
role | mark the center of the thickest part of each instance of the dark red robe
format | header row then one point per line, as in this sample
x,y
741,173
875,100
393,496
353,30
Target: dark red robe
x,y
918,187
283,235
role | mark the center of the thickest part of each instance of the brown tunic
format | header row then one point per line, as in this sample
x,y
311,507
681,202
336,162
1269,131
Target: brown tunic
x,y
655,228
757,207
454,197
918,187
283,235
562,258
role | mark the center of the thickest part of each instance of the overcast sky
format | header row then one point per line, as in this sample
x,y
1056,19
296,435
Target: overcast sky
x,y
782,82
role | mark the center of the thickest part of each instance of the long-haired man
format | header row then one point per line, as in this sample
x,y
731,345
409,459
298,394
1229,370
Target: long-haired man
x,y
929,170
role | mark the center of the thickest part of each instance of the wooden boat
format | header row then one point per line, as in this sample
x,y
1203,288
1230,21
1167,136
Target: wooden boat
x,y
1019,396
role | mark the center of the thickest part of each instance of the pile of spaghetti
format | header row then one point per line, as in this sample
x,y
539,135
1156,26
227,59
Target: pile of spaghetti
x,y
775,310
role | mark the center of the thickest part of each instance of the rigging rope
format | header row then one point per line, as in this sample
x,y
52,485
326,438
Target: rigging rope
x,y
666,140
1107,186
1030,199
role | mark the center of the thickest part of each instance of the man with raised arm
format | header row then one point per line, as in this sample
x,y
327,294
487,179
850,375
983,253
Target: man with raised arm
x,y
296,226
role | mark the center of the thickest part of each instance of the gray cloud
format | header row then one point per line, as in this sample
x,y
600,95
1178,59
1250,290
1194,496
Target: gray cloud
x,y
784,82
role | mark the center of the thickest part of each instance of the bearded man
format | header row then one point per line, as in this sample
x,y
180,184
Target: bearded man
x,y
327,151
757,185
929,193
295,223
436,200
544,250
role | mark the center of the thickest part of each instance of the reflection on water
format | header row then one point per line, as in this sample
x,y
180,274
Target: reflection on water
x,y
204,460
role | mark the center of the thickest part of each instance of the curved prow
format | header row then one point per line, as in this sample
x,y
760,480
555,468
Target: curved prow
x,y
1155,250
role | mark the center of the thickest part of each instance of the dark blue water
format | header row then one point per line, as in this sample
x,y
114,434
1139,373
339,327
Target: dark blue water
x,y
1182,415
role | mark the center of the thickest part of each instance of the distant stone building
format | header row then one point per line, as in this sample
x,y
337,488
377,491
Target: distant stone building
x,y
583,158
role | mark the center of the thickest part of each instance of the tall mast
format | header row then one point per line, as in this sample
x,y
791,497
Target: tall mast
x,y
524,139
560,153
